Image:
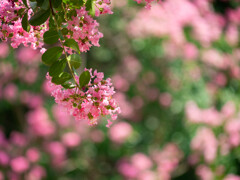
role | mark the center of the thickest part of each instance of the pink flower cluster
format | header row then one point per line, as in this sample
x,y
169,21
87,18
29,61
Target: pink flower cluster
x,y
161,21
207,143
89,103
159,165
103,7
84,29
11,27
18,163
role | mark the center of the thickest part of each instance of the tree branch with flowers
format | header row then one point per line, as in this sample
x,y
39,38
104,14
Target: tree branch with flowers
x,y
62,30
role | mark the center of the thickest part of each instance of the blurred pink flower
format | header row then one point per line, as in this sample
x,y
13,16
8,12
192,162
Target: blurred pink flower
x,y
117,3
39,122
165,99
36,173
232,35
120,131
220,79
204,173
71,139
206,143
30,76
160,21
214,58
132,68
30,99
19,164
232,177
28,55
141,161
232,128
18,139
190,51
208,116
57,152
60,114
224,144
10,92
127,169
56,149
228,109
126,107
1,176
33,154
4,158
46,88
4,50
120,83
147,175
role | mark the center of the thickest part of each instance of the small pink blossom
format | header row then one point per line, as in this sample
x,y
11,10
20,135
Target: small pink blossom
x,y
19,164
71,139
120,132
141,161
33,154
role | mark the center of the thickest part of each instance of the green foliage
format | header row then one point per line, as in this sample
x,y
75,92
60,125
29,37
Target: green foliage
x,y
25,3
57,67
61,78
84,78
39,17
25,24
50,37
74,3
57,3
52,55
72,44
90,7
75,60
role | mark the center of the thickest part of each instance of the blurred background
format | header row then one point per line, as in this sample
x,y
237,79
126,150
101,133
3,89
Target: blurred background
x,y
176,73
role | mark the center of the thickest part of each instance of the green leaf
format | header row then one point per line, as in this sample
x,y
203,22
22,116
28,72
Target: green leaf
x,y
45,5
33,5
25,3
68,85
75,60
72,44
52,55
52,25
50,37
57,3
21,11
40,17
84,78
57,67
60,35
25,24
74,4
62,78
39,2
90,7
64,31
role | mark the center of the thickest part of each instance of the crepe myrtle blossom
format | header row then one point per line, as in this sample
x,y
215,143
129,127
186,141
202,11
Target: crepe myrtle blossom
x,y
11,26
88,103
84,29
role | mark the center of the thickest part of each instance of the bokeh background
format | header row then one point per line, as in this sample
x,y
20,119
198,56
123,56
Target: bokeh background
x,y
176,73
